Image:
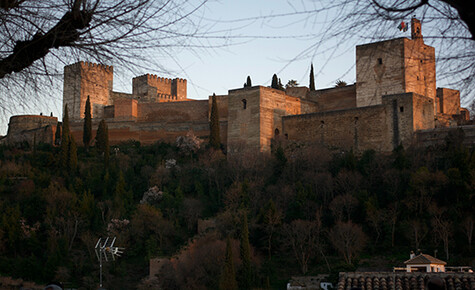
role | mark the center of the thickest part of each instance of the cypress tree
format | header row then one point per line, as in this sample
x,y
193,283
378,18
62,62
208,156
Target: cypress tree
x,y
214,138
57,134
73,156
123,199
275,82
87,132
106,147
312,79
245,254
64,149
101,136
228,276
102,141
280,86
248,82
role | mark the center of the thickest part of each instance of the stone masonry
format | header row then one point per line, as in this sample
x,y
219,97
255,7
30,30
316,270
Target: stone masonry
x,y
393,102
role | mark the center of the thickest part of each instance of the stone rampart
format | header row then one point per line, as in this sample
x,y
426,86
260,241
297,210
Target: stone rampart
x,y
21,123
338,98
155,122
433,137
345,129
380,127
173,112
31,128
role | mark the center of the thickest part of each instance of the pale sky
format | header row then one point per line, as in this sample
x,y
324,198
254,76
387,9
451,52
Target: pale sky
x,y
259,44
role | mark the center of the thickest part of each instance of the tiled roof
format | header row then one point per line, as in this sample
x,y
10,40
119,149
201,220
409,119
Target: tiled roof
x,y
425,259
403,281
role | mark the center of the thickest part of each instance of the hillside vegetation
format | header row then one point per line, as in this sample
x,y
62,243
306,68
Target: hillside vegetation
x,y
297,211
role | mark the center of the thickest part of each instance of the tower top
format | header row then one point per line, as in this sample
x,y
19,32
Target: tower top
x,y
416,33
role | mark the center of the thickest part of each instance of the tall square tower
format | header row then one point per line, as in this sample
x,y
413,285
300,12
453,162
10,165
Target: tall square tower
x,y
395,66
84,79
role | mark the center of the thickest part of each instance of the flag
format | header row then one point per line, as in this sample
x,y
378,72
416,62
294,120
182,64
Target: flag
x,y
402,26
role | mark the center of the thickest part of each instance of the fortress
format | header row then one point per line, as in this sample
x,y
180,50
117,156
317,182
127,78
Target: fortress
x,y
394,101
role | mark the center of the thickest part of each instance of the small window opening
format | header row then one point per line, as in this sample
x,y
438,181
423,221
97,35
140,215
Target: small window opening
x,y
401,109
380,61
286,136
276,132
421,61
244,103
356,120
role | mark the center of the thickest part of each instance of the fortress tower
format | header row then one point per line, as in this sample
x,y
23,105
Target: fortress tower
x,y
395,66
151,88
84,79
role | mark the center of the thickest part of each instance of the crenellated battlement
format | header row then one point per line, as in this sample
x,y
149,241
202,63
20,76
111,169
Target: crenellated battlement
x,y
159,88
91,65
155,78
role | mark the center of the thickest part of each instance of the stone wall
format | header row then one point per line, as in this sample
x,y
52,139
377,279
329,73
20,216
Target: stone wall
x,y
345,129
125,109
379,71
84,79
154,122
380,127
173,112
449,101
432,137
21,123
300,92
30,128
338,98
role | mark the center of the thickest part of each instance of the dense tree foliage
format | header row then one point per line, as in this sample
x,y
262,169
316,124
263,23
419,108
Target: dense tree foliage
x,y
307,210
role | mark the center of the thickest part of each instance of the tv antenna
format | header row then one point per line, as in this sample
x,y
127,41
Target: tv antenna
x,y
105,250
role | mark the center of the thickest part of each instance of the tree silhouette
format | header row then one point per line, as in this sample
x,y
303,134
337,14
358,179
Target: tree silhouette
x,y
248,82
102,141
64,149
228,276
312,79
275,82
87,131
291,84
36,36
245,254
72,155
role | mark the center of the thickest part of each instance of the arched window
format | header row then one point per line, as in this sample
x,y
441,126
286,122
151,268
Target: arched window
x,y
244,104
276,132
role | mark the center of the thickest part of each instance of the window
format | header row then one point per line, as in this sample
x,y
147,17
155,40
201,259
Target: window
x,y
244,104
276,132
401,109
380,61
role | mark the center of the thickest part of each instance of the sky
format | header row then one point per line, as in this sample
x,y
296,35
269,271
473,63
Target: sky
x,y
276,48
257,43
